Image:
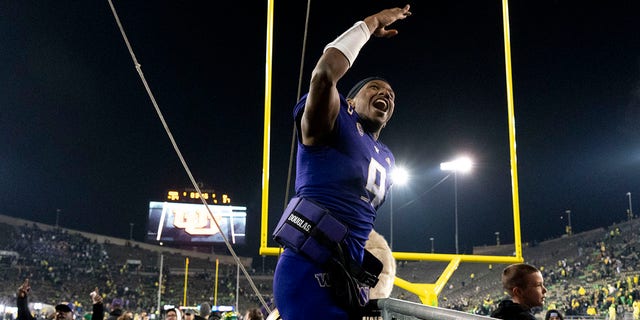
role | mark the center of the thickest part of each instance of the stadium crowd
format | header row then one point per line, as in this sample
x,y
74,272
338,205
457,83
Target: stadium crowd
x,y
592,274
66,266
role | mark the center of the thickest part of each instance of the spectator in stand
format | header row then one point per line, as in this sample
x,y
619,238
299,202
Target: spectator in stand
x,y
126,315
525,286
253,314
188,315
173,314
553,314
205,311
64,310
116,309
215,315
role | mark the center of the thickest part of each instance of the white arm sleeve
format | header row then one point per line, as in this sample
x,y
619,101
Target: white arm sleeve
x,y
351,41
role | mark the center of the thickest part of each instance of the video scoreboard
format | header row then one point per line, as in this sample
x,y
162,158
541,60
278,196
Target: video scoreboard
x,y
183,219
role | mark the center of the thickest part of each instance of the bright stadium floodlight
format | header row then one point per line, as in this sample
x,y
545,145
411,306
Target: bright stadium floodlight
x,y
462,164
399,177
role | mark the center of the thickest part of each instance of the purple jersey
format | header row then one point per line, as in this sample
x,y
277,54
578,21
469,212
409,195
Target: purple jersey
x,y
349,176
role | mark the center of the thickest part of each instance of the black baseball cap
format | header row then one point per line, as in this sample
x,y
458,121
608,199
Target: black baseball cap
x,y
64,307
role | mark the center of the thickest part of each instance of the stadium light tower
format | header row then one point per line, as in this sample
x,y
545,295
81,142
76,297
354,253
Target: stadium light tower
x,y
57,216
431,244
399,177
462,164
630,212
569,231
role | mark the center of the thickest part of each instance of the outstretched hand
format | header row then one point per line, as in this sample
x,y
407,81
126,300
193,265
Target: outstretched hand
x,y
95,295
381,20
24,289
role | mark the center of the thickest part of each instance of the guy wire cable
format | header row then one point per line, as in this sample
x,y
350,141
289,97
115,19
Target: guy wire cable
x,y
184,163
425,192
293,134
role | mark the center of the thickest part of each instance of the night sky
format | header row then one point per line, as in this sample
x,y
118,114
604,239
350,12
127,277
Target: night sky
x,y
79,133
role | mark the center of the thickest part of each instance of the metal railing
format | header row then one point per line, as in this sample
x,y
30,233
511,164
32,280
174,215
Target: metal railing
x,y
404,310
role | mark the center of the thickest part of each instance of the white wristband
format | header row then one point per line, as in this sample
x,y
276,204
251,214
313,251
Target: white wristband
x,y
351,41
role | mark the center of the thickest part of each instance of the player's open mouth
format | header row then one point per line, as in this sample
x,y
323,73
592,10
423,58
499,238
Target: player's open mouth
x,y
381,104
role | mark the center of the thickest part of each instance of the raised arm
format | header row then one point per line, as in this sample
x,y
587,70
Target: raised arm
x,y
23,302
98,306
323,101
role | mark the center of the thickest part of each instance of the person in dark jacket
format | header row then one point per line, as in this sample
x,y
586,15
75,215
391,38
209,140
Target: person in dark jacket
x,y
64,310
116,309
205,311
525,285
